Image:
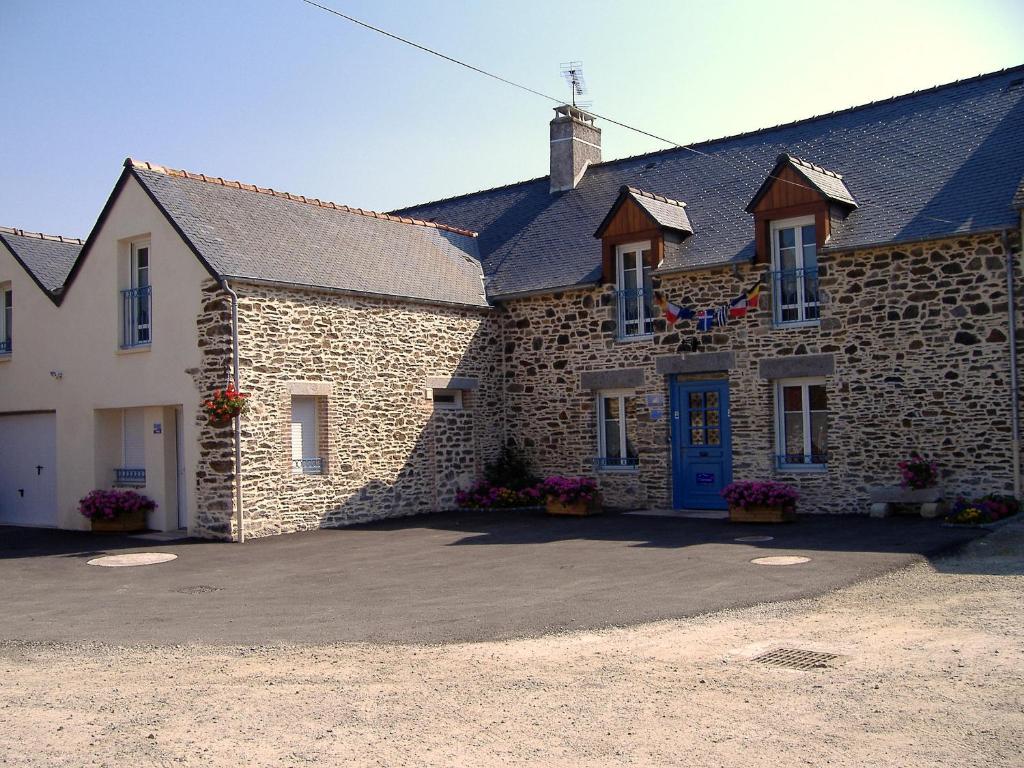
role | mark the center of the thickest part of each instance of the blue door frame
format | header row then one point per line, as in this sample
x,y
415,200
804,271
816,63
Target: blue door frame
x,y
701,443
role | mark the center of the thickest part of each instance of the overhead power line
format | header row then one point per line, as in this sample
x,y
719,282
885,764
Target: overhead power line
x,y
752,164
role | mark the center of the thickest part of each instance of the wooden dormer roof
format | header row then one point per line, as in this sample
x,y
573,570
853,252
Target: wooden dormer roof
x,y
794,181
636,211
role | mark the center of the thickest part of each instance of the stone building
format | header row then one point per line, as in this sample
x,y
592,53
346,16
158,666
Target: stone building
x,y
807,303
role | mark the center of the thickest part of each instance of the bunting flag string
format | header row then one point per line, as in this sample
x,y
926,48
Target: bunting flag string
x,y
747,301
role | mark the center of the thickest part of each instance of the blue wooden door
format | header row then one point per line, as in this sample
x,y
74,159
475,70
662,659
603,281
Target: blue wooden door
x,y
701,444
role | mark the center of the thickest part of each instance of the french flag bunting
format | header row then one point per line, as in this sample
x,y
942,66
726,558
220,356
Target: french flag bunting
x,y
738,306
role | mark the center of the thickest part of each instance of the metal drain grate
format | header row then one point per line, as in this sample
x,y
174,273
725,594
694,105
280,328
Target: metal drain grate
x,y
198,589
792,658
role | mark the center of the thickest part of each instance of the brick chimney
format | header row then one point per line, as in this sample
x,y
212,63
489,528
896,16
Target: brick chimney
x,y
575,144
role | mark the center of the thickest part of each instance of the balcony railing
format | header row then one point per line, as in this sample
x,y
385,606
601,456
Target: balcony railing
x,y
795,296
313,466
130,476
137,316
615,462
5,346
798,460
635,316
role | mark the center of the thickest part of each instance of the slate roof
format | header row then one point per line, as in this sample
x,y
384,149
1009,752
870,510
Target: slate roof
x,y
47,258
243,231
926,165
668,213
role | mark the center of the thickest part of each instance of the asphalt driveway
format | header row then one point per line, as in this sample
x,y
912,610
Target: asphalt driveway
x,y
435,579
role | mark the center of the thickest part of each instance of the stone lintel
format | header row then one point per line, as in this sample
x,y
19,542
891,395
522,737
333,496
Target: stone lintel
x,y
702,362
321,388
620,378
797,366
451,382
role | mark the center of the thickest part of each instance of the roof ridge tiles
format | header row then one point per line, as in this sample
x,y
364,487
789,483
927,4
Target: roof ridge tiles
x,y
809,164
41,236
653,196
233,184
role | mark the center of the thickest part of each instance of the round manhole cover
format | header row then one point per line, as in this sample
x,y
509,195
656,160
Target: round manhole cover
x,y
752,539
135,558
781,560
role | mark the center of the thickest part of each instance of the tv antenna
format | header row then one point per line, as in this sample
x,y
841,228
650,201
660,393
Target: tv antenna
x,y
572,71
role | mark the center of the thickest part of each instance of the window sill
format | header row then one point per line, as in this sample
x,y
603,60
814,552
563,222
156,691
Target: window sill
x,y
134,350
797,324
802,469
629,339
5,357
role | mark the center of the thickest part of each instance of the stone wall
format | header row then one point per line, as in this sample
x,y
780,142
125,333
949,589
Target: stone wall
x,y
387,452
917,335
214,492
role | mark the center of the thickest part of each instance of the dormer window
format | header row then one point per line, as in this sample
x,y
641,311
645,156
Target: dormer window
x,y
137,299
633,236
633,290
794,211
795,271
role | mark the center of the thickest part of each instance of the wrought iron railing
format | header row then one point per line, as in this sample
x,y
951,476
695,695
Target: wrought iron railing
x,y
615,462
132,476
5,346
797,460
795,297
137,316
313,466
634,313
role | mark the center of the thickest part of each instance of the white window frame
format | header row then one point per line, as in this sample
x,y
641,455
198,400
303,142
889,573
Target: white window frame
x,y
134,283
302,469
645,321
780,423
774,228
6,308
455,405
621,395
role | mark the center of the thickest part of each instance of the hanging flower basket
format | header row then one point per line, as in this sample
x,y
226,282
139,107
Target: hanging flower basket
x,y
225,405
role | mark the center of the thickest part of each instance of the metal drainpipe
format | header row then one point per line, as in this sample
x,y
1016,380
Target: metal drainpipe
x,y
1014,391
239,520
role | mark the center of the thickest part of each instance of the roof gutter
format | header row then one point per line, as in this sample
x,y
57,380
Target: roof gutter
x,y
239,517
1011,311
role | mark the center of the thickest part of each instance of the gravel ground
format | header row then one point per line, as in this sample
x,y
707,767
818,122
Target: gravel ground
x,y
933,675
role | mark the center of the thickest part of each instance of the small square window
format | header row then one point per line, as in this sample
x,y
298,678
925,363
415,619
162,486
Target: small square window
x,y
446,399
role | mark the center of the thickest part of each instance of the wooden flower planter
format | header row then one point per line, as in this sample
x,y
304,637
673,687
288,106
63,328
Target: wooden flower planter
x,y
128,522
759,513
578,509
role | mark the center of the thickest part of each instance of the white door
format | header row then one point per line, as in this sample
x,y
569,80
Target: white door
x,y
28,469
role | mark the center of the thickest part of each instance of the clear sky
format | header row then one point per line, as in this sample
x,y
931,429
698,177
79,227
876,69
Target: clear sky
x,y
276,93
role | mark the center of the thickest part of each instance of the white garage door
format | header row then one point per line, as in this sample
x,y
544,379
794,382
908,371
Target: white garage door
x,y
28,469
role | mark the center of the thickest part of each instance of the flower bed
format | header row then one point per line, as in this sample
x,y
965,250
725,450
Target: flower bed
x,y
486,495
984,510
577,493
